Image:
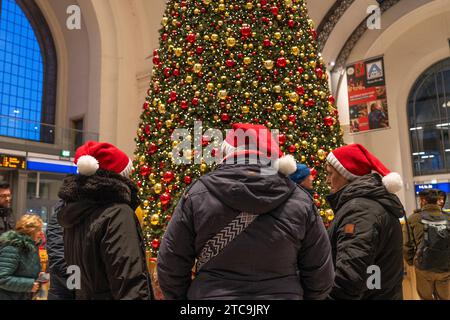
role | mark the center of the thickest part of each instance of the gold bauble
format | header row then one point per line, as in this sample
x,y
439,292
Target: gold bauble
x,y
223,94
164,21
162,108
245,109
277,89
231,42
277,35
168,123
321,154
197,67
203,167
157,188
268,64
210,86
304,144
154,220
284,117
207,2
188,79
187,154
264,90
295,51
247,95
303,159
278,106
214,37
247,60
178,52
293,96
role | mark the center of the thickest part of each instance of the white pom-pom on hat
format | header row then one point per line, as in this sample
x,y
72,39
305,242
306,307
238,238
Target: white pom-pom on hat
x,y
286,165
87,165
393,182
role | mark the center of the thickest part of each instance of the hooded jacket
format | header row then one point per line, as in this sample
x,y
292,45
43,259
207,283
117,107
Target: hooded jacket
x,y
19,266
366,234
103,238
283,254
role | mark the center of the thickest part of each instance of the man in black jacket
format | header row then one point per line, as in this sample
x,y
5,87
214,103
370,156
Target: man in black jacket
x,y
102,235
7,221
366,235
283,254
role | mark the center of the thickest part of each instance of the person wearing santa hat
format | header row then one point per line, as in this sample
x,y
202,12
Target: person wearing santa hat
x,y
102,235
366,234
278,250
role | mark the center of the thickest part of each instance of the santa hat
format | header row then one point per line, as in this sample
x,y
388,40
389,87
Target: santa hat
x,y
354,161
246,139
101,155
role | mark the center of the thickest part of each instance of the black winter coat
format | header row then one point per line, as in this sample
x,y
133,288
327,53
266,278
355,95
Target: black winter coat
x,y
103,237
7,221
366,231
56,263
284,254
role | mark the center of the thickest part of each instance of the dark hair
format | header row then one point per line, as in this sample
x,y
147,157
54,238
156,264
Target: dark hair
x,y
442,194
4,185
431,196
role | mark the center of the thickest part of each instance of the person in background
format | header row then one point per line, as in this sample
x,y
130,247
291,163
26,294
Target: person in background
x,y
7,220
20,265
432,281
442,198
102,235
304,178
366,231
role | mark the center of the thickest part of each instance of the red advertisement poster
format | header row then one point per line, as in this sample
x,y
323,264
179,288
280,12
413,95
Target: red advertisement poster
x,y
367,95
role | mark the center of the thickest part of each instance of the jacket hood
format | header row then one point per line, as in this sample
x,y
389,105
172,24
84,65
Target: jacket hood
x,y
245,188
18,240
369,186
83,195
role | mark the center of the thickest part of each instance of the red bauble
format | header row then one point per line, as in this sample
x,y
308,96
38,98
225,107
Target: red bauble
x,y
187,179
199,50
275,10
165,198
156,60
246,30
281,62
205,141
214,151
225,117
328,121
267,43
313,33
147,129
155,243
281,139
229,63
331,99
173,96
184,105
167,72
168,217
195,101
313,172
319,72
301,70
145,171
168,176
153,148
263,2
191,37
292,118
292,149
176,72
291,23
146,105
300,90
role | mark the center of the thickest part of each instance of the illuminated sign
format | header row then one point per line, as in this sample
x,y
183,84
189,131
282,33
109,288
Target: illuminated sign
x,y
440,186
12,162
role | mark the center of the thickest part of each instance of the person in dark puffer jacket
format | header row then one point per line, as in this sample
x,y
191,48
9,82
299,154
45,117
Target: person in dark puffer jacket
x,y
20,264
102,235
366,233
283,254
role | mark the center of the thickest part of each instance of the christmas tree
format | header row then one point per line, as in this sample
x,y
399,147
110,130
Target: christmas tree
x,y
227,61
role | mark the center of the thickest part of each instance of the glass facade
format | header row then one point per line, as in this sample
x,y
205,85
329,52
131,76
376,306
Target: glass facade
x,y
21,75
429,121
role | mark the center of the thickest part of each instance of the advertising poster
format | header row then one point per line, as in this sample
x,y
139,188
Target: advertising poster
x,y
367,95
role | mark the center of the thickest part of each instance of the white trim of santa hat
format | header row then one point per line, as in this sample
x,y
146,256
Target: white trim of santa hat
x,y
93,156
354,161
260,141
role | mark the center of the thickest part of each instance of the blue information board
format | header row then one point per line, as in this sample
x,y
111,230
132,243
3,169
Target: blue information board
x,y
440,186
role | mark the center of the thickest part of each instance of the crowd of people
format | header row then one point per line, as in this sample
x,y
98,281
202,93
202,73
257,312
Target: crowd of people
x,y
245,233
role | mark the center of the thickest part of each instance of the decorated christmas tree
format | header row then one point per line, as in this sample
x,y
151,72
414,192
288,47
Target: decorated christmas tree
x,y
227,61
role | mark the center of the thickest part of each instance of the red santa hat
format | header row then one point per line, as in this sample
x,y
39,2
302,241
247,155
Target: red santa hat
x,y
246,139
101,155
354,161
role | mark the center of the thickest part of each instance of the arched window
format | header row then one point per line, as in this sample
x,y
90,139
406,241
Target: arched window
x,y
27,73
429,120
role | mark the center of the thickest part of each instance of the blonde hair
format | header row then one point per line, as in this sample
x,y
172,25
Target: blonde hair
x,y
29,224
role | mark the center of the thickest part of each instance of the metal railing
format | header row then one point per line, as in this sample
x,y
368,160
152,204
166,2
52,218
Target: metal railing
x,y
28,134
